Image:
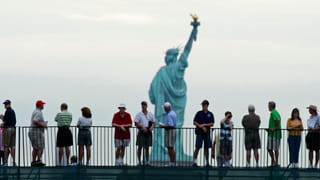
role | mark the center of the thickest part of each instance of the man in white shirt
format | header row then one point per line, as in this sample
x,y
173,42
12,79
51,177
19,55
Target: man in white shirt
x,y
144,121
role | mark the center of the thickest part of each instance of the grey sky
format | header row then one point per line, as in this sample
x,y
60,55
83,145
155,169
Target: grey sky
x,y
101,53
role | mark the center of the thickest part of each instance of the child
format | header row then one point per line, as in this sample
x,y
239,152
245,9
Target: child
x,y
215,153
226,138
74,161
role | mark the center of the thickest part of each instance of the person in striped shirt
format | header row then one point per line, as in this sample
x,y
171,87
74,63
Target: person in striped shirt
x,y
226,126
64,136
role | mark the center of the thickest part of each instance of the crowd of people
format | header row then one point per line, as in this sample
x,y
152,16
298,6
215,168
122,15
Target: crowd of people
x,y
145,123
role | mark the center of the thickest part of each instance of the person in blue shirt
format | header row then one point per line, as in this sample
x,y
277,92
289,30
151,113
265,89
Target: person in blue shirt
x,y
203,120
170,132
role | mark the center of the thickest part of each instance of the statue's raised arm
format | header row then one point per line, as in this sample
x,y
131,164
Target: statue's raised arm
x,y
193,37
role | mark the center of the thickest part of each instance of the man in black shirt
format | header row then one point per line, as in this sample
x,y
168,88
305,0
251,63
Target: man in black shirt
x,y
203,120
9,132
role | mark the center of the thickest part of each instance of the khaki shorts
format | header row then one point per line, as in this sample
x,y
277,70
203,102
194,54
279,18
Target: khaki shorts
x,y
170,137
9,137
273,143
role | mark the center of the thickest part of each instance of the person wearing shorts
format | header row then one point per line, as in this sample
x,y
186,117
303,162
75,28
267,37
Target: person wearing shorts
x,y
64,135
251,123
36,134
274,134
9,132
226,126
203,120
122,122
144,121
84,135
170,132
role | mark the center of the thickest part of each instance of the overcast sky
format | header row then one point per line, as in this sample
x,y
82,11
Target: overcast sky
x,y
100,53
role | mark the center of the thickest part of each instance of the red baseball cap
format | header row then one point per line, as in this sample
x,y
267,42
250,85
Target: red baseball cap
x,y
40,103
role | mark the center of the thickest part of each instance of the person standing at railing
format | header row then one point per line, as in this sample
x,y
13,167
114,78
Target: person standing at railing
x,y
9,132
313,136
294,126
215,153
251,123
226,126
36,134
274,134
84,136
203,121
64,135
144,121
1,147
170,132
122,122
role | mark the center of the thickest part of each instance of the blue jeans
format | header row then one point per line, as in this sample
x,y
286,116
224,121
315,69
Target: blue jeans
x,y
294,147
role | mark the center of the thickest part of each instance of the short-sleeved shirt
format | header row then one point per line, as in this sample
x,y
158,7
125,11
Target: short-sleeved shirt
x,y
144,119
313,121
63,118
251,123
203,118
171,119
84,123
9,118
274,115
294,123
117,119
36,116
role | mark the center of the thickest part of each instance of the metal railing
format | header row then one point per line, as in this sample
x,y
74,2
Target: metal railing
x,y
103,149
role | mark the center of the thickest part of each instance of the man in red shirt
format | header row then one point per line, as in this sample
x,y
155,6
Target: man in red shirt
x,y
122,122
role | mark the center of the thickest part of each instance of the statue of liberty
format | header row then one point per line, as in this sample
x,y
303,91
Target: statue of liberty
x,y
169,85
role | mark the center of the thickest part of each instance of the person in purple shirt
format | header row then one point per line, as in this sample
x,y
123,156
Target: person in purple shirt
x,y
170,132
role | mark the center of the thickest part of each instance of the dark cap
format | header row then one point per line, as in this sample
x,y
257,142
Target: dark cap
x,y
205,102
6,102
144,103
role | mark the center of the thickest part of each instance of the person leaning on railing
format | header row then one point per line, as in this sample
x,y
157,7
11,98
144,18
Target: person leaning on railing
x,y
36,134
226,126
294,126
122,122
313,136
251,123
274,134
64,135
84,136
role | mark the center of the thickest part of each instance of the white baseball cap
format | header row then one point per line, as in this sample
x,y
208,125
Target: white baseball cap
x,y
166,104
122,106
